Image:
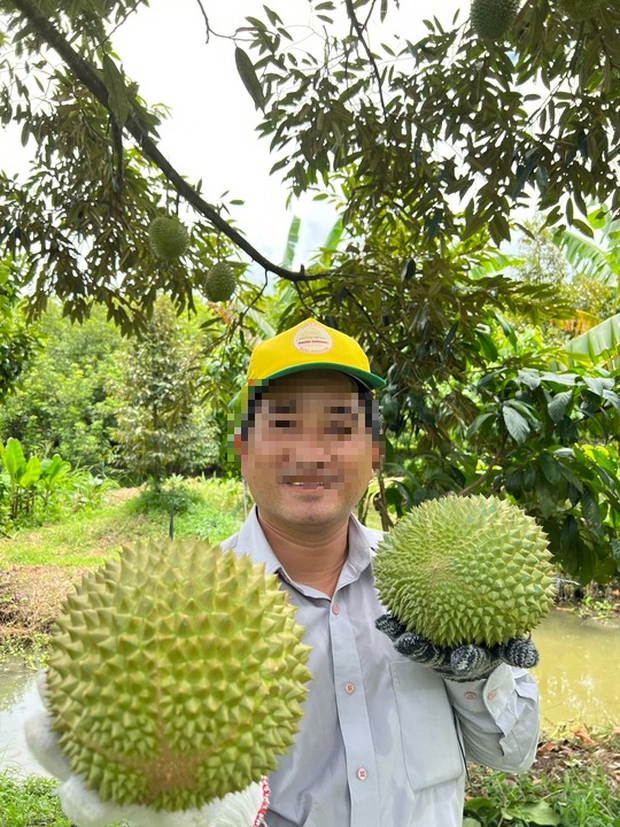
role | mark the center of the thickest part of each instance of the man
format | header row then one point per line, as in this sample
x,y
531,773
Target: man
x,y
383,739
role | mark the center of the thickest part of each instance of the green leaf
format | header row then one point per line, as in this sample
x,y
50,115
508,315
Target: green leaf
x,y
248,75
530,378
599,342
558,405
540,813
32,473
550,468
516,424
118,99
14,459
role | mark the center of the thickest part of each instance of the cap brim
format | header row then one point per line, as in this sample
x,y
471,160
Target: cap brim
x,y
370,380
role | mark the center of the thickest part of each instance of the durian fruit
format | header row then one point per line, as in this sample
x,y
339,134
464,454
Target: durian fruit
x,y
176,675
220,283
168,237
491,19
466,570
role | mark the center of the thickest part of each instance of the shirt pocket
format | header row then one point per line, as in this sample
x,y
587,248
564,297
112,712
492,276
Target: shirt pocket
x,y
431,748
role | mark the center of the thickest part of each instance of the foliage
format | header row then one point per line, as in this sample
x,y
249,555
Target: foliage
x,y
26,481
447,134
407,126
597,253
576,799
30,802
16,341
547,440
62,402
162,428
36,489
89,536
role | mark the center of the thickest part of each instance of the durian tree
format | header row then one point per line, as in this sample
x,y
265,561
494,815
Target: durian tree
x,y
448,134
162,426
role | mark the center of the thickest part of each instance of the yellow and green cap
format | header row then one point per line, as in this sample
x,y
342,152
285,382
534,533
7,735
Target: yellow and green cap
x,y
310,345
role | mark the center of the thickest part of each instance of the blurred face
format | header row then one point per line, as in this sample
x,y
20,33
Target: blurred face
x,y
309,456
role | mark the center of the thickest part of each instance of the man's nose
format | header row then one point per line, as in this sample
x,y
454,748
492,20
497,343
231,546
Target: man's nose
x,y
315,443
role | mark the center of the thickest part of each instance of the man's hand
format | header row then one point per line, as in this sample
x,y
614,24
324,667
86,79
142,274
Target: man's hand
x,y
468,662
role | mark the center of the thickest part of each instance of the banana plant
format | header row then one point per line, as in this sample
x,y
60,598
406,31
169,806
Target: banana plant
x,y
54,474
599,345
20,476
597,257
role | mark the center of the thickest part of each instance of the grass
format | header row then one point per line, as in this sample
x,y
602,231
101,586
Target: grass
x,y
88,538
29,803
575,782
581,795
39,566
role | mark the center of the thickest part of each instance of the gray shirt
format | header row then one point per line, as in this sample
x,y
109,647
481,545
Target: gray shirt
x,y
382,740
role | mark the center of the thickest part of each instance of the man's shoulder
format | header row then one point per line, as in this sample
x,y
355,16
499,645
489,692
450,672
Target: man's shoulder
x,y
230,542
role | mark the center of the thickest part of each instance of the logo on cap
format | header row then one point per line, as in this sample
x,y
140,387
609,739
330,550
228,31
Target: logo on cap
x,y
312,339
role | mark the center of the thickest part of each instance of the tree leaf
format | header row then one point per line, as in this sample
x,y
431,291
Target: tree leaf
x,y
516,425
118,99
558,405
248,75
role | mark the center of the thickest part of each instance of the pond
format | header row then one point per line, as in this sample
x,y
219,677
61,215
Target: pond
x,y
578,676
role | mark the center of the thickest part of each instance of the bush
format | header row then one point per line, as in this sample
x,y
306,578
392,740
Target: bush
x,y
61,404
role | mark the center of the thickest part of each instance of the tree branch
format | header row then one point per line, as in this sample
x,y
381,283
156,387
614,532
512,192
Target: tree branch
x,y
206,18
490,468
360,33
136,128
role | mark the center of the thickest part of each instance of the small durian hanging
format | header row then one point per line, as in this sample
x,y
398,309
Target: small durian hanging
x,y
168,237
492,19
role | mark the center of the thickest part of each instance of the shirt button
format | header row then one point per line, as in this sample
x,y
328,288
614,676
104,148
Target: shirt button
x,y
362,773
491,694
349,688
335,609
471,696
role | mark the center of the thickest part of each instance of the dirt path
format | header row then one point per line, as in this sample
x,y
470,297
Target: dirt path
x,y
30,597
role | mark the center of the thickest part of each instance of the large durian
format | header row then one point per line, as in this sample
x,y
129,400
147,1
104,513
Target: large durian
x,y
176,675
466,570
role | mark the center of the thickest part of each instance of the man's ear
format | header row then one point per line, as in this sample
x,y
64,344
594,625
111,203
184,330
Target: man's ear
x,y
241,450
377,447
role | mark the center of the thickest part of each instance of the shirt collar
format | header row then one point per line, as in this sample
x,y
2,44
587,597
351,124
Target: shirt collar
x,y
251,540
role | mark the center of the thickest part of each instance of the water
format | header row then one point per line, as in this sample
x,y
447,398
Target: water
x,y
579,670
19,699
578,676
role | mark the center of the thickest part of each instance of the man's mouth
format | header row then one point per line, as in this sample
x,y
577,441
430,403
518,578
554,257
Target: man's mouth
x,y
308,484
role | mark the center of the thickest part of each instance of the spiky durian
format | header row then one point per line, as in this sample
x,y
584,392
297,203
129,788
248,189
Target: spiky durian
x,y
220,282
466,570
168,237
176,675
491,19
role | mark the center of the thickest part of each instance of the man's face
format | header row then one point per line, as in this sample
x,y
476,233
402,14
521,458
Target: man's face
x,y
309,456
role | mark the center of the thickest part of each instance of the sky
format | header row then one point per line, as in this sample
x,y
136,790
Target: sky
x,y
211,132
